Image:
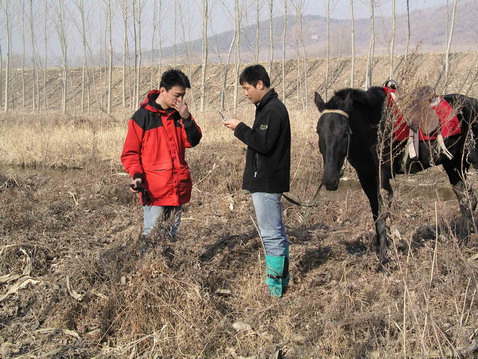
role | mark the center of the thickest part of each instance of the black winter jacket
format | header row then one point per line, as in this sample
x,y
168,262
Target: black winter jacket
x,y
268,147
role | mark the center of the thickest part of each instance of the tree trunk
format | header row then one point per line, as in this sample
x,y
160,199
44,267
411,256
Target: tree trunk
x,y
35,86
45,65
447,54
61,30
271,35
392,42
327,67
204,53
368,78
153,36
110,54
352,65
284,43
125,57
409,30
160,34
6,10
226,68
237,30
258,8
22,3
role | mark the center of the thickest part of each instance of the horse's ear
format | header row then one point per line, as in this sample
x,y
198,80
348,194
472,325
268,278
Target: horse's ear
x,y
319,102
348,102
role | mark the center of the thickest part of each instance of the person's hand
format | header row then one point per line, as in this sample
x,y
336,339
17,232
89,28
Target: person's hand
x,y
136,185
231,123
182,108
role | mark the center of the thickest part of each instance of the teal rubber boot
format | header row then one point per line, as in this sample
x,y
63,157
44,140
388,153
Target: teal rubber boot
x,y
275,270
286,274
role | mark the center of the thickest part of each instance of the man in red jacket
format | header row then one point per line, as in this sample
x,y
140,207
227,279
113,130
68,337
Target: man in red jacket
x,y
154,151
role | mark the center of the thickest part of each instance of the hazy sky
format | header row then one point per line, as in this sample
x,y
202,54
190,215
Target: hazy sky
x,y
188,25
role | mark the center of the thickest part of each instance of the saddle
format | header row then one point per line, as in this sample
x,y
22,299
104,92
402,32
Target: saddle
x,y
426,117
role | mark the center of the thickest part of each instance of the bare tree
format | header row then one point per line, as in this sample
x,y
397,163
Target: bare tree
x,y
204,52
22,30
153,38
138,6
450,36
160,35
6,11
409,30
45,64
80,5
284,45
226,66
1,73
110,53
392,42
271,35
301,80
35,86
237,36
352,66
125,14
326,82
60,25
258,10
371,48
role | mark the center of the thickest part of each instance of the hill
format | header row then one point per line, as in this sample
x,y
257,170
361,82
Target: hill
x,y
428,30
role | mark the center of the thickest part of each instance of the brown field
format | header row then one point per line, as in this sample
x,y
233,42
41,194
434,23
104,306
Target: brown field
x,y
78,281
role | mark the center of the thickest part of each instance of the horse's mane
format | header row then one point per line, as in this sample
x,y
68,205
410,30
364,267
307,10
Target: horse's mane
x,y
371,98
370,101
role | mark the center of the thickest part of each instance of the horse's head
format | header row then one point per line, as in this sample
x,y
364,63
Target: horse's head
x,y
334,133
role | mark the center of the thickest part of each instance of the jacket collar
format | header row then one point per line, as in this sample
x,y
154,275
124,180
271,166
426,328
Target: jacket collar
x,y
150,103
271,94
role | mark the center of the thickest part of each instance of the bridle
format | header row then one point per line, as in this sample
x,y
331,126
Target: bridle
x,y
349,132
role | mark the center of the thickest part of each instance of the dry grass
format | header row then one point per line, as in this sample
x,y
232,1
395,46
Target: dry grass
x,y
93,287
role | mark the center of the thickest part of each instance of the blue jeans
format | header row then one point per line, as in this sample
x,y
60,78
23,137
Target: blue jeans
x,y
269,220
153,215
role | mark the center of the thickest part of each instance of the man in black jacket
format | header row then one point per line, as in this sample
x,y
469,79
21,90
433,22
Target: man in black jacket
x,y
267,170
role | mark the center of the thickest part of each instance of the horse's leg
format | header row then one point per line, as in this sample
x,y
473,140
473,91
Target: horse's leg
x,y
466,198
369,181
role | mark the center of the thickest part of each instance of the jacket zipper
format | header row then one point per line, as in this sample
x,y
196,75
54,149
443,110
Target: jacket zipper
x,y
256,166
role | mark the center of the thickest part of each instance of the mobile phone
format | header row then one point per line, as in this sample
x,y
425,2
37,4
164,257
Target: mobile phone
x,y
222,115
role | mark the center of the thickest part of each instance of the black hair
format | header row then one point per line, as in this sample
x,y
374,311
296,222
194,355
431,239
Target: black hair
x,y
253,74
174,77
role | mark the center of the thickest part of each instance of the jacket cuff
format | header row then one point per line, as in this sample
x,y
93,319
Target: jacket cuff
x,y
187,122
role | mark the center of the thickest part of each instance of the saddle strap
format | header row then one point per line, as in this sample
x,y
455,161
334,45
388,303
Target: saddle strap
x,y
442,146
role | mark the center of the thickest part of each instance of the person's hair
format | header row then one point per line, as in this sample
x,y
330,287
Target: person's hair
x,y
253,74
174,77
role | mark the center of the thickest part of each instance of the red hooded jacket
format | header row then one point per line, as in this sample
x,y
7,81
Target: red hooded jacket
x,y
154,150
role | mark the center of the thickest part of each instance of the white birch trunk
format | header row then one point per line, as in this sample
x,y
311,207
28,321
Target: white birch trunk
x,y
352,65
204,52
271,35
368,77
237,30
110,54
284,43
392,42
448,47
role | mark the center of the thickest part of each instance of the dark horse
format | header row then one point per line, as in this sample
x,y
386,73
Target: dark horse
x,y
353,125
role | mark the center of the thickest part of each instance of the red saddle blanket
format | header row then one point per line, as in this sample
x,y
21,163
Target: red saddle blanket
x,y
449,123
